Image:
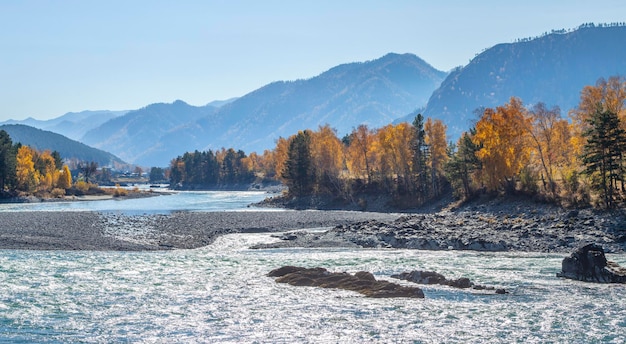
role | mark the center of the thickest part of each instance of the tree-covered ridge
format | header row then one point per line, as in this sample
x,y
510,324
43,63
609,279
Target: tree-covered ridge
x,y
510,149
69,149
551,69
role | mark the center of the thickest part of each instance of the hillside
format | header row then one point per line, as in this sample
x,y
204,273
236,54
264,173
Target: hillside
x,y
552,69
137,134
373,92
69,149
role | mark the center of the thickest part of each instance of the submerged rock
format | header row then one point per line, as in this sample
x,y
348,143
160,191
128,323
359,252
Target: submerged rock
x,y
589,264
362,282
431,277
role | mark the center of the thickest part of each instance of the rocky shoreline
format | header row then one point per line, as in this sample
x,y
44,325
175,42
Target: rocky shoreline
x,y
489,226
495,225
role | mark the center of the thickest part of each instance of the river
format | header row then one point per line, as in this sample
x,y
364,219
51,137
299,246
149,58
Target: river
x,y
220,294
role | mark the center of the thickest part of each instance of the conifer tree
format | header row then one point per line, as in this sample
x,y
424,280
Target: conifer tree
x,y
7,159
603,154
298,171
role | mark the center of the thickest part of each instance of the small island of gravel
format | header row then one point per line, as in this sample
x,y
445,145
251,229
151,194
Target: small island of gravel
x,y
179,230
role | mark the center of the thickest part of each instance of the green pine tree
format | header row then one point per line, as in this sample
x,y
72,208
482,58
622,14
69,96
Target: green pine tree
x,y
603,154
298,173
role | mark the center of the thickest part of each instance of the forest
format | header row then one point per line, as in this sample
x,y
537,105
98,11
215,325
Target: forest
x,y
572,160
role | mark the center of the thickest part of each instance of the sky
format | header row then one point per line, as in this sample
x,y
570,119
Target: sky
x,y
72,55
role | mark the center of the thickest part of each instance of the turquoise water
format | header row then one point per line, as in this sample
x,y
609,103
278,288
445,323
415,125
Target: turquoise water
x,y
220,294
164,204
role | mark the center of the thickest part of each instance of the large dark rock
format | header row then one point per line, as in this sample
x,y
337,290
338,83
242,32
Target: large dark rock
x,y
589,264
362,282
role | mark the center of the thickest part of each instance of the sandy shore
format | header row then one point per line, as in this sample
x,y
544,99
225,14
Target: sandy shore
x,y
108,231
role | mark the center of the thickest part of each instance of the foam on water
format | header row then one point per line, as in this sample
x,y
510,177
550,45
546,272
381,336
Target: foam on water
x,y
220,294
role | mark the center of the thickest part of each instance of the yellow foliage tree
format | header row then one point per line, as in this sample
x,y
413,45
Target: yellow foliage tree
x,y
393,152
505,150
46,166
27,176
65,178
359,155
327,157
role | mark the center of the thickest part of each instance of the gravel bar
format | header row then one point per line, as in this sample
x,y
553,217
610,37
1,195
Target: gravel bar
x,y
179,230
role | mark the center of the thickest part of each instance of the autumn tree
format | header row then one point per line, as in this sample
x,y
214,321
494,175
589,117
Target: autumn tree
x,y
65,178
603,154
551,137
435,139
359,152
45,164
611,94
298,170
27,176
280,155
327,159
503,137
394,155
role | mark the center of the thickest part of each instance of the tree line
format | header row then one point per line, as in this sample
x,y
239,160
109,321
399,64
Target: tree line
x,y
27,171
511,148
209,169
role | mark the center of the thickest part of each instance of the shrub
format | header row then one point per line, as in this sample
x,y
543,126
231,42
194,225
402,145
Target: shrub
x,y
57,193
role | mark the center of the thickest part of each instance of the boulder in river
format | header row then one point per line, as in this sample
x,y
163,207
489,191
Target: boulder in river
x,y
589,264
362,282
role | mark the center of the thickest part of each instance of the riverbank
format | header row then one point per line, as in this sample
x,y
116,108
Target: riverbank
x,y
511,224
180,230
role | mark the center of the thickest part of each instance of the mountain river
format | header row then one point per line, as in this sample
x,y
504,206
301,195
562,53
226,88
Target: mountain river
x,y
220,294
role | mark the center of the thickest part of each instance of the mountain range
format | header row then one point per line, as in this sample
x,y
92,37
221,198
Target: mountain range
x,y
373,92
552,69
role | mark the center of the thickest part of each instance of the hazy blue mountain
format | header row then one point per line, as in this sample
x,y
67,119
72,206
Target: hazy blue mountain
x,y
73,124
373,93
69,149
552,69
137,133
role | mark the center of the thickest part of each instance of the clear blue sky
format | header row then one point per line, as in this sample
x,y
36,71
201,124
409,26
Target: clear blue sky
x,y
61,56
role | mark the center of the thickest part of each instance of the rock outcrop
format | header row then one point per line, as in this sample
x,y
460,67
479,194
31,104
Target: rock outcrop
x,y
589,264
431,277
362,282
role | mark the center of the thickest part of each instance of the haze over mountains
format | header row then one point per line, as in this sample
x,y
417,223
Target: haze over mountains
x,y
552,69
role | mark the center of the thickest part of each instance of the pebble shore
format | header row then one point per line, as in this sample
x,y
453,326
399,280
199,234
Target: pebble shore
x,y
180,230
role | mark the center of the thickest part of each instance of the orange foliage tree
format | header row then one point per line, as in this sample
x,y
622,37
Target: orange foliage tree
x,y
503,137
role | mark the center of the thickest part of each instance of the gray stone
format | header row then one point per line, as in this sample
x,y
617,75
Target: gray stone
x,y
589,264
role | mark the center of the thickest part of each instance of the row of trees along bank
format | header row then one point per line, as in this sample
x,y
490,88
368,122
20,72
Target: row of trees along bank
x,y
24,170
511,148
